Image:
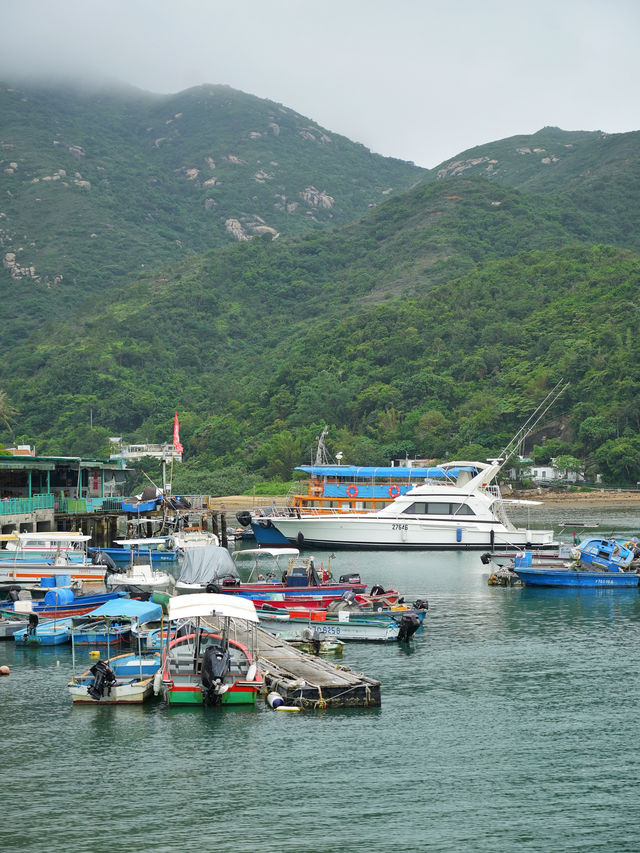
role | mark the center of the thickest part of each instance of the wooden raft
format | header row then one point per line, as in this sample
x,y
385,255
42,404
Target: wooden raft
x,y
305,680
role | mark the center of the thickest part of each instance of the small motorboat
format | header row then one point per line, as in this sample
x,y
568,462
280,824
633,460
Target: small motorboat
x,y
58,603
211,658
343,620
49,632
124,679
140,572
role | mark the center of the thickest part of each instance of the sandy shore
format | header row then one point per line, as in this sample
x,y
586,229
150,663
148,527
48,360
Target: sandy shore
x,y
232,503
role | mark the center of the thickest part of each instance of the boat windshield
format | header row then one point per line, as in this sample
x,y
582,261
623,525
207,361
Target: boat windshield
x,y
438,508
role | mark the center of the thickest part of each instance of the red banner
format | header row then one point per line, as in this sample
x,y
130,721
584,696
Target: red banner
x,y
176,435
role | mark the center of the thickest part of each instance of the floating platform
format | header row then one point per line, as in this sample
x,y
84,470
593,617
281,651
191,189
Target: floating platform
x,y
308,681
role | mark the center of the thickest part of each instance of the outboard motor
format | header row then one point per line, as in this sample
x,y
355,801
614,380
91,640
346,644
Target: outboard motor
x,y
377,589
409,624
215,665
230,581
349,597
99,558
213,588
14,594
103,679
421,604
243,517
33,625
354,577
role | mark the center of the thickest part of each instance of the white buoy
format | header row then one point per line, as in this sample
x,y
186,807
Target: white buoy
x,y
274,700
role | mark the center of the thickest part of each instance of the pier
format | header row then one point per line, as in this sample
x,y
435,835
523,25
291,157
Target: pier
x,y
304,680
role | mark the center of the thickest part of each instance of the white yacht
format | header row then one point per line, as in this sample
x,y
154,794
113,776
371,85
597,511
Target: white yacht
x,y
462,510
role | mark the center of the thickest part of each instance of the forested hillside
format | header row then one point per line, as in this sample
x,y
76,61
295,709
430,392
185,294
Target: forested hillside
x,y
97,185
430,327
418,313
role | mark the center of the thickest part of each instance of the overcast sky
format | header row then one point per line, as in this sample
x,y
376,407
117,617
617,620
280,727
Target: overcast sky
x,y
417,79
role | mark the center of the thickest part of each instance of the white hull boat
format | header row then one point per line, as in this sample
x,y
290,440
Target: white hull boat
x,y
462,513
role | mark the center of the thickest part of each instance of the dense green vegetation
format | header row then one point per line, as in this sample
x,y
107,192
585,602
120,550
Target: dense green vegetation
x,y
99,184
430,327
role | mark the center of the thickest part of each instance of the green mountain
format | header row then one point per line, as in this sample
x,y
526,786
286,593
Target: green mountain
x,y
100,184
430,326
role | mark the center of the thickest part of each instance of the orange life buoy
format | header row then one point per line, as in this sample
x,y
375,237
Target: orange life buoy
x,y
352,491
394,491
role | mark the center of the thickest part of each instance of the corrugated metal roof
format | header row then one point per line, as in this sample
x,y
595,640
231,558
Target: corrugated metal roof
x,y
352,472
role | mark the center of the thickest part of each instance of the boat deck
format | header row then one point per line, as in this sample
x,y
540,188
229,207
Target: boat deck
x,y
308,681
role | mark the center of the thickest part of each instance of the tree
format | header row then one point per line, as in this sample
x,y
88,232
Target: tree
x,y
7,411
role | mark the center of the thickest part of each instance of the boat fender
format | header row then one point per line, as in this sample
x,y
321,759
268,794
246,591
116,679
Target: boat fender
x,y
4,670
300,539
252,672
157,683
274,700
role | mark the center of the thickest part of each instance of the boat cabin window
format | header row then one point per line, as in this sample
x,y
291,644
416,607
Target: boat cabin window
x,y
438,508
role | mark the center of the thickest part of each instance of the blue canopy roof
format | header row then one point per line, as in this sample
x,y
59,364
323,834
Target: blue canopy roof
x,y
128,608
352,472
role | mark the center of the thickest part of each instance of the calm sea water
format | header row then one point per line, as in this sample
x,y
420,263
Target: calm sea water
x,y
511,723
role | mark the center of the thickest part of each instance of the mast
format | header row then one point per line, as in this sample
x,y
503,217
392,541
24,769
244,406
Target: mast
x,y
321,451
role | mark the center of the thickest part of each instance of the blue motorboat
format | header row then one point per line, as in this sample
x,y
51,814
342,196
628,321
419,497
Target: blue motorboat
x,y
156,550
574,575
605,553
51,632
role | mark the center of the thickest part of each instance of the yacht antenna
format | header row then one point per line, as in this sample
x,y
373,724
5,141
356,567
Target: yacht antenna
x,y
533,420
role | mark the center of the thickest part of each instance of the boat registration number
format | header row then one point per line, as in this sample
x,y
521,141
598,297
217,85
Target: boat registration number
x,y
330,629
399,526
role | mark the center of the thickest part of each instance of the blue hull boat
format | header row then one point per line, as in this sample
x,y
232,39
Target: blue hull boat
x,y
570,577
122,556
52,632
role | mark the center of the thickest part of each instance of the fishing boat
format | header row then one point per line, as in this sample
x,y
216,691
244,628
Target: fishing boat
x,y
99,632
210,564
123,679
159,552
9,626
66,555
49,632
140,572
344,625
273,570
186,538
58,603
211,660
577,575
594,562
